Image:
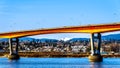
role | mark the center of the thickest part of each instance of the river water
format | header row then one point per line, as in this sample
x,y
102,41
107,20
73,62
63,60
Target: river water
x,y
59,63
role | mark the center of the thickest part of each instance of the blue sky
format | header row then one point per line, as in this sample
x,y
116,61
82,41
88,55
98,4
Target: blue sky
x,y
34,14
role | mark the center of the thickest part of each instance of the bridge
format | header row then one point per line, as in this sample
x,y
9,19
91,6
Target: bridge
x,y
94,30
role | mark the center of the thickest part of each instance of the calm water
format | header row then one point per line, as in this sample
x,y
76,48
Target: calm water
x,y
59,63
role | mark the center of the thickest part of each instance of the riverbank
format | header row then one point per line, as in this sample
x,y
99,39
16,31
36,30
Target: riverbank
x,y
54,54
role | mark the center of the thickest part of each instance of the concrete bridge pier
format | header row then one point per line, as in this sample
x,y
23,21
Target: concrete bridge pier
x,y
13,50
95,51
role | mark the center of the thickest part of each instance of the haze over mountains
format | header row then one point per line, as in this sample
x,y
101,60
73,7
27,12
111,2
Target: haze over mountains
x,y
106,37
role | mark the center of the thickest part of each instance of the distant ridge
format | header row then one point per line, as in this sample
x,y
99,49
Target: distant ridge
x,y
76,39
107,37
42,39
3,39
111,37
33,39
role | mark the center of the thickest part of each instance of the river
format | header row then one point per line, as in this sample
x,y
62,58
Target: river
x,y
58,63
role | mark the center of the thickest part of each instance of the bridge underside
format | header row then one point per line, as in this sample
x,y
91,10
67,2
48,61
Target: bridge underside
x,y
78,29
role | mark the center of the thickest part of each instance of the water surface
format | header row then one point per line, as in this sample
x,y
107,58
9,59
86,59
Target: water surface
x,y
58,63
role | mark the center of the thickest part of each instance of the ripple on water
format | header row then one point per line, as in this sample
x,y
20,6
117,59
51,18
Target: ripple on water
x,y
58,63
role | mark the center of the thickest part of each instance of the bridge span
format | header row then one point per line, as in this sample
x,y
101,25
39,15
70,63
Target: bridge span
x,y
94,30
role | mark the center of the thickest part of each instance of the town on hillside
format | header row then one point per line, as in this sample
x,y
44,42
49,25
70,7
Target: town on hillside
x,y
72,46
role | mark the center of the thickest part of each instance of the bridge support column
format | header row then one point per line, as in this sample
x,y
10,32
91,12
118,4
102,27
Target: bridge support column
x,y
95,51
13,50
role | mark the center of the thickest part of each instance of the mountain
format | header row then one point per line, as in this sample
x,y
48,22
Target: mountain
x,y
107,37
76,39
21,39
47,40
26,39
33,39
111,37
3,39
42,40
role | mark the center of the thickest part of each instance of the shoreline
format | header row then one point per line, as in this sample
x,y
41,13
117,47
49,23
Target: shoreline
x,y
54,54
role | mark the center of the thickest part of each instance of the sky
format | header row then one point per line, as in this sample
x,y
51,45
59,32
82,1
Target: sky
x,y
16,15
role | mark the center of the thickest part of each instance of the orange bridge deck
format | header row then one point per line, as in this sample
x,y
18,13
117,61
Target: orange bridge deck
x,y
75,29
